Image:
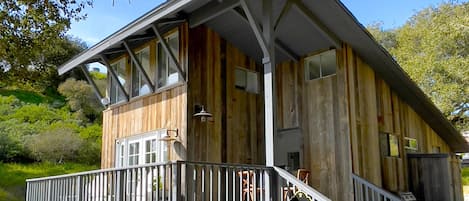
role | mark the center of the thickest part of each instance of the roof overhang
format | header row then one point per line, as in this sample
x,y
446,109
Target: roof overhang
x,y
317,24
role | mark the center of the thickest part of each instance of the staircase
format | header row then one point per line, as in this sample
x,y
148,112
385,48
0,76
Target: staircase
x,y
366,191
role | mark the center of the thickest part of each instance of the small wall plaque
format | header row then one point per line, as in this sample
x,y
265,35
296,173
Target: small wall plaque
x,y
407,196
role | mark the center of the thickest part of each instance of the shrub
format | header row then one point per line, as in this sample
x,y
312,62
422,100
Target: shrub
x,y
58,145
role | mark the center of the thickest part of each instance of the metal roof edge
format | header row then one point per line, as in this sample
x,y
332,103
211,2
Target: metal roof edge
x,y
151,16
447,132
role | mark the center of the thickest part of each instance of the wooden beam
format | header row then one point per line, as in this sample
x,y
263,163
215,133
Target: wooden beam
x,y
284,11
255,27
115,51
316,22
169,21
169,52
114,76
92,83
279,44
139,66
140,37
210,11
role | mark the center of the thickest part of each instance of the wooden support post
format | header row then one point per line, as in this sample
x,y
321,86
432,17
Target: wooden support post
x,y
114,76
269,81
92,83
139,66
279,45
169,52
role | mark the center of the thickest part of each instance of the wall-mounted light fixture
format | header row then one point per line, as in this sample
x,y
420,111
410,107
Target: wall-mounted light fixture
x,y
202,114
170,137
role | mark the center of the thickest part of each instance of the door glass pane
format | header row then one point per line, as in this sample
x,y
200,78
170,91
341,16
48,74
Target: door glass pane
x,y
134,153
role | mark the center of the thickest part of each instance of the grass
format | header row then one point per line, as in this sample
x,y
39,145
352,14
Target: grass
x,y
13,176
49,96
465,176
25,96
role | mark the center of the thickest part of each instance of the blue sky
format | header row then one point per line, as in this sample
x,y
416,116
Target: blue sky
x,y
104,18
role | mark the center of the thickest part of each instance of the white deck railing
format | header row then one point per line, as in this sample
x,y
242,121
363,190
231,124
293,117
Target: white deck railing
x,y
178,180
366,191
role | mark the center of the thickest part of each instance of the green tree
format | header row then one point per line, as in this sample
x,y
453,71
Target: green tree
x,y
433,48
32,40
81,99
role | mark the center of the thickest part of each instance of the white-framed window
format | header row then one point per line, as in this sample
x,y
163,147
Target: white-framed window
x,y
320,65
246,80
141,149
139,85
119,67
167,69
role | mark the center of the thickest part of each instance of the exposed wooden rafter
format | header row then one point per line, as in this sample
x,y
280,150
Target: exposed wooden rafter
x,y
92,83
316,22
114,76
284,11
169,52
170,21
278,43
255,27
210,11
139,66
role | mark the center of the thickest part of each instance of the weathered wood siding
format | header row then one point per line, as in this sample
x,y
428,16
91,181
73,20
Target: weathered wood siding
x,y
235,132
319,108
158,111
165,109
375,108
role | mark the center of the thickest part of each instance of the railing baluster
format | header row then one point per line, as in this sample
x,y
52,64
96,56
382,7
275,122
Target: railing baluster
x,y
218,184
163,182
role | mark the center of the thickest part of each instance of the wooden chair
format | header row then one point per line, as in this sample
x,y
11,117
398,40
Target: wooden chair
x,y
302,175
249,188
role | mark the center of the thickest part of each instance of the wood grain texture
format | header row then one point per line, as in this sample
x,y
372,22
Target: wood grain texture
x,y
234,133
375,108
319,108
158,111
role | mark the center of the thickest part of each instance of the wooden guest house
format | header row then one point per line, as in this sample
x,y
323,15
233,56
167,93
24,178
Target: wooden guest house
x,y
259,100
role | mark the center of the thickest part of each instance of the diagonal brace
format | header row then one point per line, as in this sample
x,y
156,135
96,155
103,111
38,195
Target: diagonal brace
x,y
255,28
169,52
139,66
114,76
92,83
284,11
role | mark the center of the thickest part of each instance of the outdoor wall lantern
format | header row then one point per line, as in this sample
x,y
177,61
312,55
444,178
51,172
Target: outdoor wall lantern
x,y
202,114
168,137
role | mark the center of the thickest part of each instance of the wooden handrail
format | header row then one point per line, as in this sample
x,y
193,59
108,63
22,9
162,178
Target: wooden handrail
x,y
360,195
310,191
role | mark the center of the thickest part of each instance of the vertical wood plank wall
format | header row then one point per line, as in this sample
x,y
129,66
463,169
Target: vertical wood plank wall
x,y
375,108
158,111
162,110
319,108
235,132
